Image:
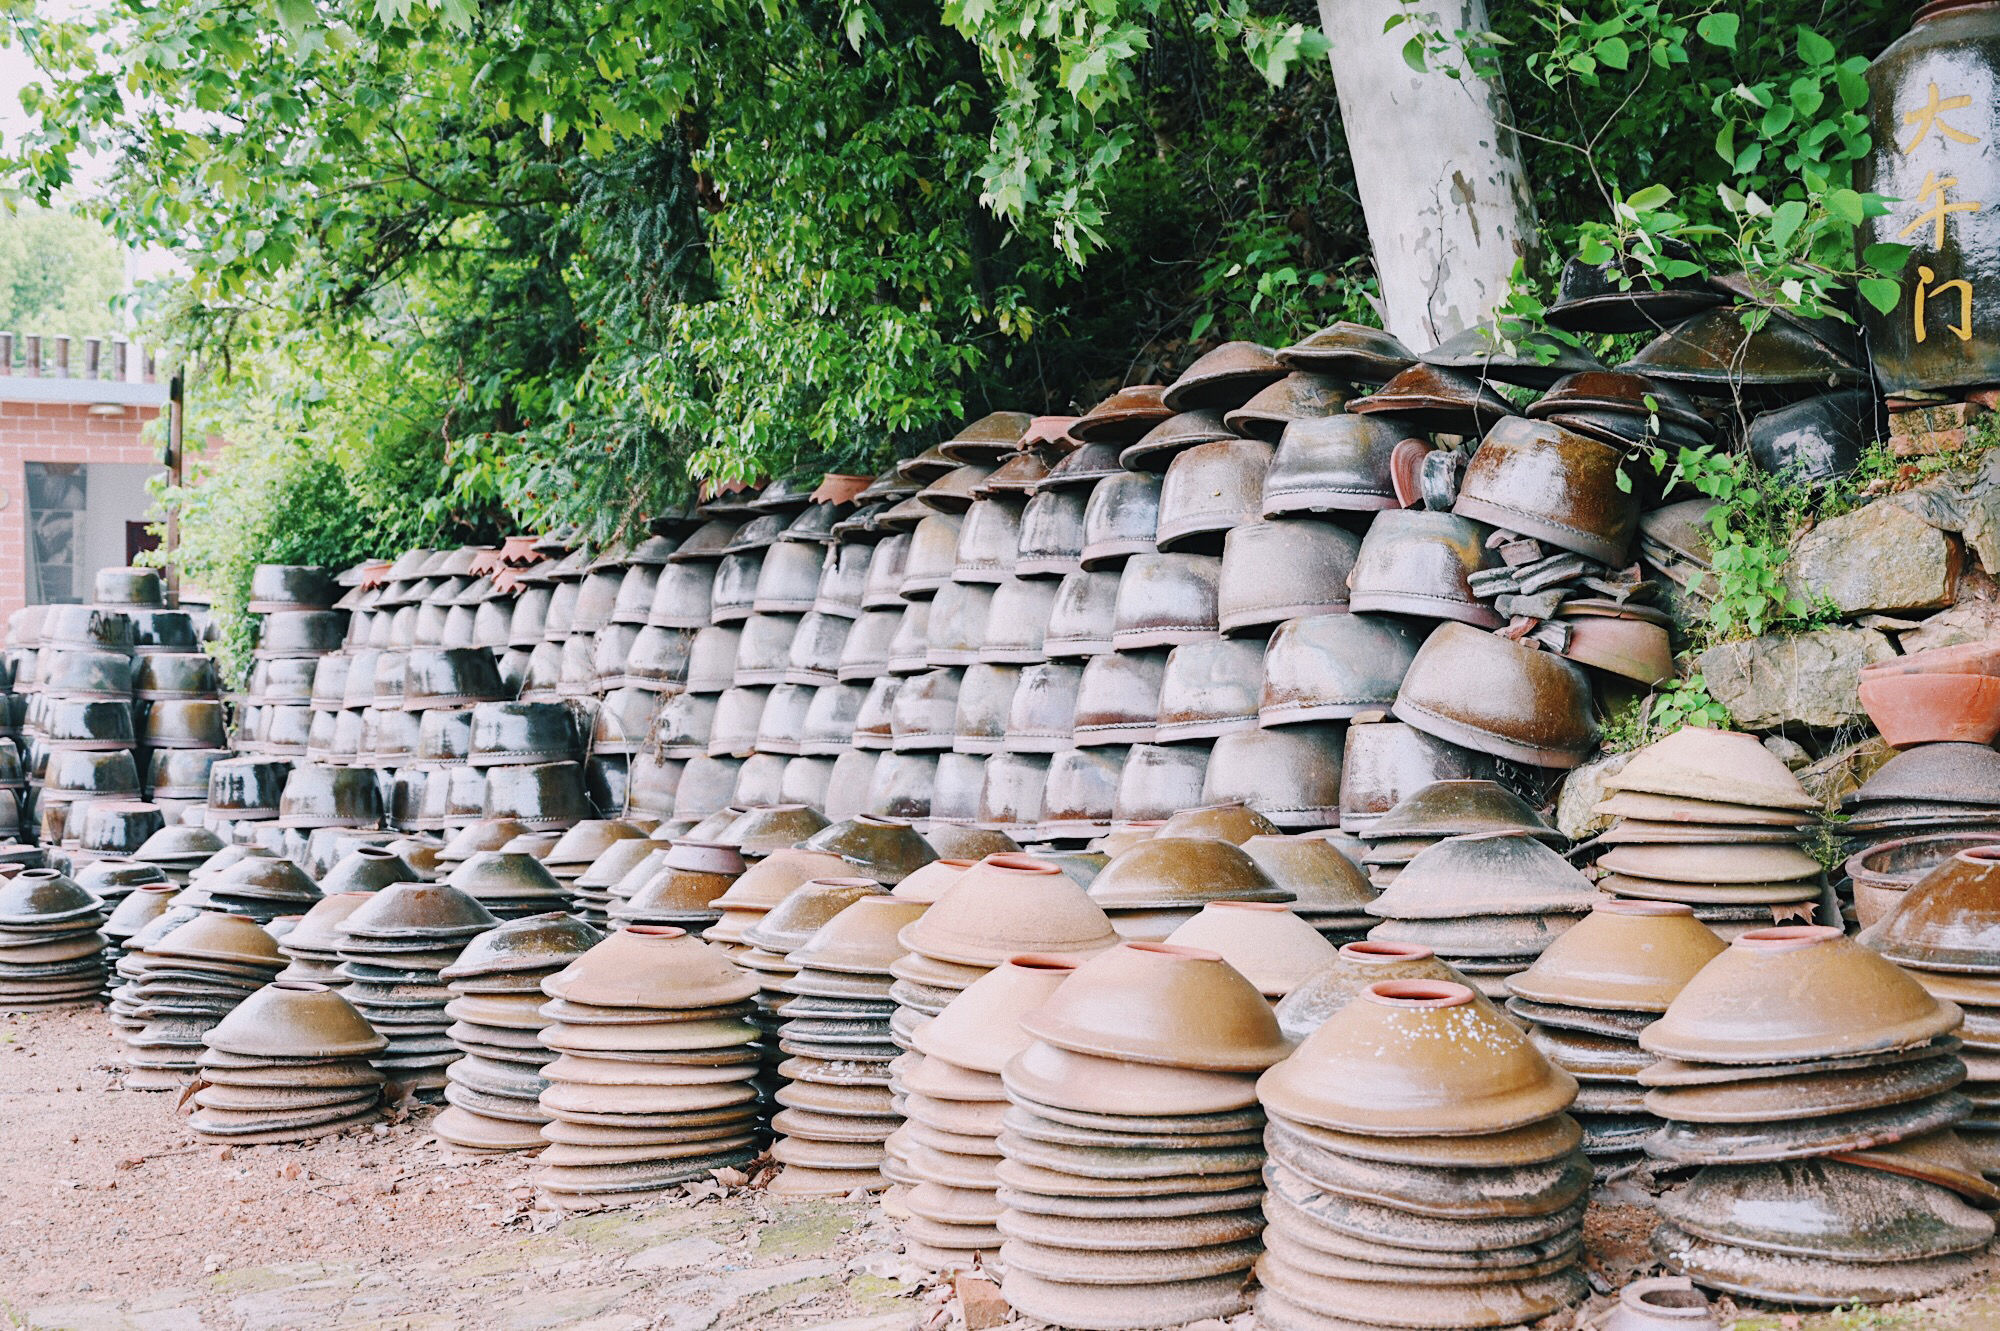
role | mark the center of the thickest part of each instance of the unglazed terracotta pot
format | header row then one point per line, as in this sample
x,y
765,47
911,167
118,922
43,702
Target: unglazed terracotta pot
x,y
1161,1004
1933,708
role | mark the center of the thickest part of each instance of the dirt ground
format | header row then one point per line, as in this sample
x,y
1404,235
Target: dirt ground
x,y
112,1218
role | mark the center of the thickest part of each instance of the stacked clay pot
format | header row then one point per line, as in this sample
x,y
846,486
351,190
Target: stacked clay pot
x,y
1423,1172
761,888
684,891
1945,931
1132,1144
493,1096
1914,812
1265,941
51,950
1590,995
289,1064
837,1111
138,909
1329,891
1426,816
510,884
392,950
1816,1083
1152,888
577,849
262,887
655,1079
955,1102
312,946
180,984
1354,967
1487,902
1714,820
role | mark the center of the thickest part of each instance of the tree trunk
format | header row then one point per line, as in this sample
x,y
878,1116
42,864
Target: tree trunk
x,y
1441,180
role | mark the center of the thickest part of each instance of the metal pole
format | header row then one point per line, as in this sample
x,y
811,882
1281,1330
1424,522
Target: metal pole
x,y
176,405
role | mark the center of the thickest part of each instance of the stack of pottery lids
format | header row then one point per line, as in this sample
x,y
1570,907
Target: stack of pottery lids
x,y
1815,1081
655,1083
493,1099
1152,888
139,908
1488,902
1924,795
391,950
1329,891
1132,1144
624,866
289,1064
684,891
1588,997
112,878
508,883
1422,1171
1445,809
1266,942
1946,932
762,888
50,949
837,1112
262,887
578,848
884,849
1941,696
1356,966
178,851
180,984
313,944
1712,819
954,1102
784,928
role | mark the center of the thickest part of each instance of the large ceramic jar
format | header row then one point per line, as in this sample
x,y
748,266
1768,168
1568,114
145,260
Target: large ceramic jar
x,y
1934,115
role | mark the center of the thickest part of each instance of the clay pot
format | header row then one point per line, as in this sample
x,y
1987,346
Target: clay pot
x,y
1331,667
515,733
1932,708
1291,776
909,649
1079,792
1488,873
1042,712
316,796
298,633
1164,1005
246,788
1234,823
1536,478
780,725
181,675
1017,622
988,438
763,654
1723,766
1420,563
984,695
1283,569
1181,872
1884,872
538,795
1385,762
1532,707
1409,1057
976,843
1794,993
1121,519
886,567
1051,541
924,711
436,677
1122,417
733,728
1535,360
1355,967
85,725
1432,399
1322,881
1166,599
1947,920
138,586
1081,622
651,967
932,556
1225,377
1975,658
1209,489
956,629
864,655
1209,688
1662,1303
987,541
1818,439
955,796
1331,464
1006,905
843,579
830,718
1264,941
1160,780
1010,794
1298,396
1625,956
88,627
81,673
1712,352
787,578
1118,698
1159,446
886,850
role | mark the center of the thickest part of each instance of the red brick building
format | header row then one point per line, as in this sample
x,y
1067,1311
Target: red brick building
x,y
74,470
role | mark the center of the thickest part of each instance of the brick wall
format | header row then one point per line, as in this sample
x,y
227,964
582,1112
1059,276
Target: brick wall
x,y
53,432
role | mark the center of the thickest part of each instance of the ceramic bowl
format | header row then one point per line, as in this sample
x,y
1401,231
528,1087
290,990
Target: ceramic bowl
x,y
1533,707
1281,569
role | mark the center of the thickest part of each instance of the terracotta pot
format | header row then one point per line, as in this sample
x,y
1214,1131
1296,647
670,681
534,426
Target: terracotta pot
x,y
1283,569
1007,905
1124,416
1409,1057
1489,873
1350,351
1164,1005
1081,622
1975,658
1121,519
648,967
681,598
1946,921
1209,688
1354,967
1017,622
981,1029
1724,766
1420,563
1291,776
1627,956
1533,707
1794,993
1536,478
1209,489
1188,871
1264,941
1160,780
1079,792
1933,708
1225,377
1158,447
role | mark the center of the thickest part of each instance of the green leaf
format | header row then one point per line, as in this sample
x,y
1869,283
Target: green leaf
x,y
1845,204
1884,293
1814,49
1613,52
296,16
1718,29
1413,54
1725,141
1649,199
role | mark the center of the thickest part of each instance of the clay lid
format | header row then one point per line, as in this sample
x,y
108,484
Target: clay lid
x,y
1234,822
1122,417
1226,377
35,895
1084,1083
981,1029
1826,1212
1300,395
486,834
1416,1057
1321,880
316,930
1792,993
1713,351
1535,360
418,910
1008,905
1485,873
1627,956
1162,1004
1675,809
860,940
929,883
651,967
502,875
289,1019
265,880
765,884
1350,351
954,491
618,859
1459,808
970,843
214,937
1942,1158
1724,863
590,838
793,922
531,943
1716,765
1429,398
991,436
885,849
926,466
1181,871
1954,773
1949,921
1269,945
1172,436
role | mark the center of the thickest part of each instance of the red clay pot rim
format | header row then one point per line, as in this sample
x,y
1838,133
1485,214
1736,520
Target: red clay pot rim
x,y
662,931
1011,861
1268,907
1418,993
1369,953
1175,951
842,882
1629,906
1980,854
299,986
1043,961
1787,937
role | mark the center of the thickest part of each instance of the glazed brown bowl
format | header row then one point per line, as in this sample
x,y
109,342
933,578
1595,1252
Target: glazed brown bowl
x,y
1538,479
319,796
1532,707
1280,569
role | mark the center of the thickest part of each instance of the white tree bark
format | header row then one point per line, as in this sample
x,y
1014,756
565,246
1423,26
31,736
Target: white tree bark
x,y
1442,186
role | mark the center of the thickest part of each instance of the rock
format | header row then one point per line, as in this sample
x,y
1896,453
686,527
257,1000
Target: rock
x,y
1789,752
1975,618
1841,773
1880,557
1800,679
979,1301
1582,790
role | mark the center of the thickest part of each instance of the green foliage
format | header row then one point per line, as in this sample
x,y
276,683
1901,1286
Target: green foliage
x,y
1673,706
59,273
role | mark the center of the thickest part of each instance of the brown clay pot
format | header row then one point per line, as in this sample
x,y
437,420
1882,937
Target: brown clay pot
x,y
1281,569
1931,708
1536,478
1532,707
1161,1004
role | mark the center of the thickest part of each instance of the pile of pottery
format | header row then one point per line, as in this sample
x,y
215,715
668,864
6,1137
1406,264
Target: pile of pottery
x,y
1945,931
261,886
1816,1083
1422,1169
493,1099
51,950
837,1113
1132,1146
1154,887
1713,820
1948,695
1440,809
1329,891
393,948
179,982
654,1083
510,884
299,626
680,885
1265,941
580,845
761,888
289,1064
312,945
81,727
1590,995
953,1098
1915,812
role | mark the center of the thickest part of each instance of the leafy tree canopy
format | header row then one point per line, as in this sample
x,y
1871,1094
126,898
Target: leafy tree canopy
x,y
59,273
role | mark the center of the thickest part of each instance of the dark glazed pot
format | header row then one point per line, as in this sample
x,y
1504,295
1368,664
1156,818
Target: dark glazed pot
x,y
1541,480
1819,439
1416,562
246,788
164,631
1171,437
1712,353
79,673
734,593
289,587
1165,600
1226,377
515,733
1084,468
1332,464
450,677
1332,667
1282,568
182,774
301,633
1121,519
540,796
1299,396
1536,360
141,587
1209,489
318,796
989,438
883,849
1384,762
1350,351
1527,706
86,724
89,627
1122,417
1426,398
78,772
1291,776
1210,688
